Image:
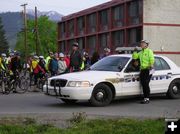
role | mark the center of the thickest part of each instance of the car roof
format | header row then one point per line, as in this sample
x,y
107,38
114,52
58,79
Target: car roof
x,y
130,55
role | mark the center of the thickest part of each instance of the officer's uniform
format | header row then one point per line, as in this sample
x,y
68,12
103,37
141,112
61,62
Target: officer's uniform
x,y
146,58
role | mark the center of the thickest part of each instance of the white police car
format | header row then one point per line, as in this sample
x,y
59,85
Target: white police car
x,y
113,77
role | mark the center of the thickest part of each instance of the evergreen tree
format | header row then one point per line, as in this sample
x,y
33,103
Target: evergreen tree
x,y
3,42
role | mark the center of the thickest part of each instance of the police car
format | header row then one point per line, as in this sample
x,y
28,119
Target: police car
x,y
113,77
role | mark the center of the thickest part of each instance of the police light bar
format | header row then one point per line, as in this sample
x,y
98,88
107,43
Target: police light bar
x,y
127,50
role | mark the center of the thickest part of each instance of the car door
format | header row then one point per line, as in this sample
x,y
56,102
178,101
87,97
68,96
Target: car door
x,y
131,84
162,76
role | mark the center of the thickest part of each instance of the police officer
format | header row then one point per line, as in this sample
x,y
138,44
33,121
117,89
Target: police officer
x,y
146,58
75,58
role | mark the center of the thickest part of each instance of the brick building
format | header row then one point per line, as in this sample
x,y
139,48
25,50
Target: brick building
x,y
124,23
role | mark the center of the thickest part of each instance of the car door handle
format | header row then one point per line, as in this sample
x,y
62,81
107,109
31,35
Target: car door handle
x,y
169,73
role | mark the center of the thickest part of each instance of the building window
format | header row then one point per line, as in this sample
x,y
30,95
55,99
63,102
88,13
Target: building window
x,y
92,23
135,12
81,43
62,47
103,20
70,44
118,39
134,36
91,41
62,30
81,25
103,42
71,28
118,16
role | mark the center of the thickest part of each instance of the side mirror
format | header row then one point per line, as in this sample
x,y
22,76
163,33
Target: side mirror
x,y
128,70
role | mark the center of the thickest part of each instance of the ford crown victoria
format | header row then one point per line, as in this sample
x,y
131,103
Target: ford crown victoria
x,y
113,77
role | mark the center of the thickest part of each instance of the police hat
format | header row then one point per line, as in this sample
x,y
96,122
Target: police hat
x,y
75,44
144,41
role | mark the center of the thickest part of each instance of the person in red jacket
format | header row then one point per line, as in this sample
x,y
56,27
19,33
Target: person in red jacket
x,y
67,60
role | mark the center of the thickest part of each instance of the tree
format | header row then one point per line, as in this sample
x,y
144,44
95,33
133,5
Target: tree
x,y
47,33
3,42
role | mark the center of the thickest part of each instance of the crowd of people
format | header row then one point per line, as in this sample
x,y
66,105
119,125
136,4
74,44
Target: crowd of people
x,y
54,63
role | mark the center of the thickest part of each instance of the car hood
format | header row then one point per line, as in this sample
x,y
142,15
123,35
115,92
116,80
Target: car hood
x,y
87,75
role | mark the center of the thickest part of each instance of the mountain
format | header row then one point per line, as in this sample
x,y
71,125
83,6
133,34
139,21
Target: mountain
x,y
53,15
13,23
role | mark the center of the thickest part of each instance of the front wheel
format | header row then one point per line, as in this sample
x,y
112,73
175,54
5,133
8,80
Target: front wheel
x,y
174,90
101,95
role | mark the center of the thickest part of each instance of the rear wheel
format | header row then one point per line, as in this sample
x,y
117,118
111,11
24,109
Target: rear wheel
x,y
174,90
21,85
101,96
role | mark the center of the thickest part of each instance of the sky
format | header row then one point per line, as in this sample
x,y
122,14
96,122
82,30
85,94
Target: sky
x,y
64,7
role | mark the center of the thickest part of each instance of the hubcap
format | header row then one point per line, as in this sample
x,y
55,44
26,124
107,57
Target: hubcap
x,y
99,96
175,89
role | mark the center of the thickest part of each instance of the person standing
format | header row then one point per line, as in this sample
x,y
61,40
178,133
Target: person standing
x,y
47,60
61,64
107,52
146,58
95,57
75,59
67,60
53,66
42,63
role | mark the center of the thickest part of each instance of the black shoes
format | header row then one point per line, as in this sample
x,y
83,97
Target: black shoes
x,y
145,101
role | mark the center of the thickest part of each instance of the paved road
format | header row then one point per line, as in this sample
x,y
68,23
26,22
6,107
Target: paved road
x,y
38,103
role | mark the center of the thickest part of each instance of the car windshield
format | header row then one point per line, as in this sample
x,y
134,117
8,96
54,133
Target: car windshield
x,y
112,63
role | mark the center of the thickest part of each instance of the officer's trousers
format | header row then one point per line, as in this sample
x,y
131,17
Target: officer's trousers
x,y
145,78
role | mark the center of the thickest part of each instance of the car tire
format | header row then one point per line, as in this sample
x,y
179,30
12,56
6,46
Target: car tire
x,y
174,90
101,95
69,101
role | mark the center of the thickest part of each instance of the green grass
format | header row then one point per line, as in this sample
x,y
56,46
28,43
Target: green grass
x,y
118,126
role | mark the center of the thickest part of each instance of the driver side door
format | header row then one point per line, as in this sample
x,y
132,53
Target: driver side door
x,y
131,84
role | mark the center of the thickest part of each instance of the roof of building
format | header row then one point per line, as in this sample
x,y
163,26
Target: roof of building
x,y
94,9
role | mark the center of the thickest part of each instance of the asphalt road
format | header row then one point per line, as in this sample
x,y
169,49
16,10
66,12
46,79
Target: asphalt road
x,y
38,103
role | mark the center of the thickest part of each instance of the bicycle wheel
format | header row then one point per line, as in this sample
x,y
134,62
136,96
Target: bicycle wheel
x,y
2,87
21,86
8,87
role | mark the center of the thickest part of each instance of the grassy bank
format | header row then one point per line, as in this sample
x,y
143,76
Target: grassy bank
x,y
119,126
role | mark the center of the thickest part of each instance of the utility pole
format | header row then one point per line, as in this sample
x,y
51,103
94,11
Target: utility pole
x,y
25,30
36,30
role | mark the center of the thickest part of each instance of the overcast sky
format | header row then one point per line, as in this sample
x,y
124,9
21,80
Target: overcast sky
x,y
64,7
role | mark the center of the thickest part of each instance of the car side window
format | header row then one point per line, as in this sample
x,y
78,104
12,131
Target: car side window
x,y
157,64
133,66
164,64
160,64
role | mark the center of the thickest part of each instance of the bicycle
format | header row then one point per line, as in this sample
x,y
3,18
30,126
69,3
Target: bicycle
x,y
42,81
18,84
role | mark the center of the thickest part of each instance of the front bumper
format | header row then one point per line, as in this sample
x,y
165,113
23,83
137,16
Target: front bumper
x,y
74,93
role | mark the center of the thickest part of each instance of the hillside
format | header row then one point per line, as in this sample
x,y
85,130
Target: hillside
x,y
13,23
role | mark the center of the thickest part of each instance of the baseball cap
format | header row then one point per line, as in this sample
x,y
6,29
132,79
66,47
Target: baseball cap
x,y
61,55
107,50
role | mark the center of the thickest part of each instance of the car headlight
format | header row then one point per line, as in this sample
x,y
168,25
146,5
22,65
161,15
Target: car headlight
x,y
78,84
